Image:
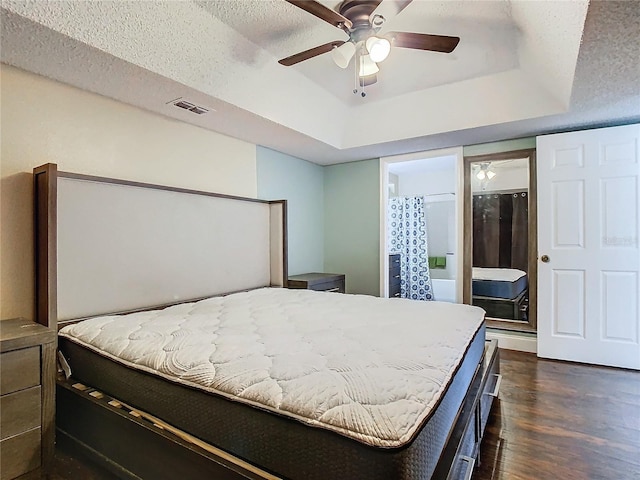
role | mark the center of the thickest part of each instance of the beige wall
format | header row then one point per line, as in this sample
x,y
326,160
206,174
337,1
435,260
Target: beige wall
x,y
44,121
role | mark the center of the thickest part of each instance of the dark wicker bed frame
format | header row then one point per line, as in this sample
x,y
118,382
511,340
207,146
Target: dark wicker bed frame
x,y
138,446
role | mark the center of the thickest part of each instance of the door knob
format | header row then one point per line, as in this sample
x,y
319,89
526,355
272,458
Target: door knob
x,y
545,258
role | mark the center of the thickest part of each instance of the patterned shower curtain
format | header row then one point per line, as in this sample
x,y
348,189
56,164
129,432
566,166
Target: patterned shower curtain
x,y
408,237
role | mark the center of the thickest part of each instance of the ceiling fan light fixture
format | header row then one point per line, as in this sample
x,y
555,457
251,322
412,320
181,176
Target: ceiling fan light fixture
x,y
343,54
367,66
490,174
378,48
362,20
368,80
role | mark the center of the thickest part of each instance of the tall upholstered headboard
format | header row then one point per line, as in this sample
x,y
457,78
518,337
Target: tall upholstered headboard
x,y
106,245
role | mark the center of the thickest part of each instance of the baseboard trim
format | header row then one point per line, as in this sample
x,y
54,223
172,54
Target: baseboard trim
x,y
523,342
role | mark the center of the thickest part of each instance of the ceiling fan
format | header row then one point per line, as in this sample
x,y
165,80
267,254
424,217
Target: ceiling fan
x,y
362,20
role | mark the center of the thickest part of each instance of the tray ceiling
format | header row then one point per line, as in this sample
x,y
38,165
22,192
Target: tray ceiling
x,y
521,68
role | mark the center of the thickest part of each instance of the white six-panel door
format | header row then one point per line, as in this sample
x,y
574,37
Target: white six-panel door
x,y
588,220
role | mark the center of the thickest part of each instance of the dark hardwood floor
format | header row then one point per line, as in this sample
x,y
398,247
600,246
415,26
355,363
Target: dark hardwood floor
x,y
558,420
554,420
69,464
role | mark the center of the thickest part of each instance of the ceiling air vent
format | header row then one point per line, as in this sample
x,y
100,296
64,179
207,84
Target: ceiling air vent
x,y
192,107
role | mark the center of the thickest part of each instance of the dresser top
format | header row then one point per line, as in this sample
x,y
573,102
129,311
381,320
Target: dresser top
x,y
20,333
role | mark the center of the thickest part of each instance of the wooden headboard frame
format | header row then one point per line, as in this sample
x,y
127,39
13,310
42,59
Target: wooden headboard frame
x,y
46,219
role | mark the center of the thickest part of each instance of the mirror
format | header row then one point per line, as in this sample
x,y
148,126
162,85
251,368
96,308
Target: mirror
x,y
500,238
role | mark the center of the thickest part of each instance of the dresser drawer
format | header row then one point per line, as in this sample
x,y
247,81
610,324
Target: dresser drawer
x,y
394,291
394,261
491,387
19,369
465,460
20,454
19,412
27,382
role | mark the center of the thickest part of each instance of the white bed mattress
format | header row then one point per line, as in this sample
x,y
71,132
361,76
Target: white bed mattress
x,y
368,368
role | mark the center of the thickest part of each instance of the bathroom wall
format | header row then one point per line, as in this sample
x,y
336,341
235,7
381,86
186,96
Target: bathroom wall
x,y
437,187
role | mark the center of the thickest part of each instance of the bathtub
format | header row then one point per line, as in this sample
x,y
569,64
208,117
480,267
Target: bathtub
x,y
444,289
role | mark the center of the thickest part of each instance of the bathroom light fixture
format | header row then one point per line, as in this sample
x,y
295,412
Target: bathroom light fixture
x,y
484,172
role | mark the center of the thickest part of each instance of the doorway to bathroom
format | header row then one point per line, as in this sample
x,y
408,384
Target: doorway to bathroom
x,y
421,225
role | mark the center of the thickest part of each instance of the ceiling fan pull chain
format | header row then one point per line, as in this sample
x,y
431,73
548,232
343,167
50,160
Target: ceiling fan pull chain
x,y
361,80
356,65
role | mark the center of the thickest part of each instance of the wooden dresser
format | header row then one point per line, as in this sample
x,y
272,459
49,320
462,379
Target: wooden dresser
x,y
324,282
27,386
394,275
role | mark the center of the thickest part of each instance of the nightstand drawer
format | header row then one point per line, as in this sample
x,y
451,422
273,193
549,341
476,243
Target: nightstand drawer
x,y
19,369
20,454
19,412
27,403
334,286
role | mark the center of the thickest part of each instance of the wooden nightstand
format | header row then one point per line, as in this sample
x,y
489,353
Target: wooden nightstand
x,y
324,282
27,408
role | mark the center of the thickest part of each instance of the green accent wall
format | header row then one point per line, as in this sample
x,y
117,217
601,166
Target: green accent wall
x,y
301,183
334,211
352,224
498,147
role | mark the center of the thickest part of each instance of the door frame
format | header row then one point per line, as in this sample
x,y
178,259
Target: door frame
x,y
532,260
456,152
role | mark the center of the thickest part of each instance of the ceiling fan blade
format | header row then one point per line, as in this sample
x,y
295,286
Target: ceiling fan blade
x,y
323,13
312,52
424,41
390,8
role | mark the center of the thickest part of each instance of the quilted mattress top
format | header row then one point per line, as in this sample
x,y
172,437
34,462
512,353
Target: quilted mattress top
x,y
368,368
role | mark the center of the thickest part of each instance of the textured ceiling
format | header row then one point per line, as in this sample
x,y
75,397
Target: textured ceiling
x,y
489,39
521,68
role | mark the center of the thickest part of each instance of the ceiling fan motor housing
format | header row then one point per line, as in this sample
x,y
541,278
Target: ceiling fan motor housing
x,y
358,12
